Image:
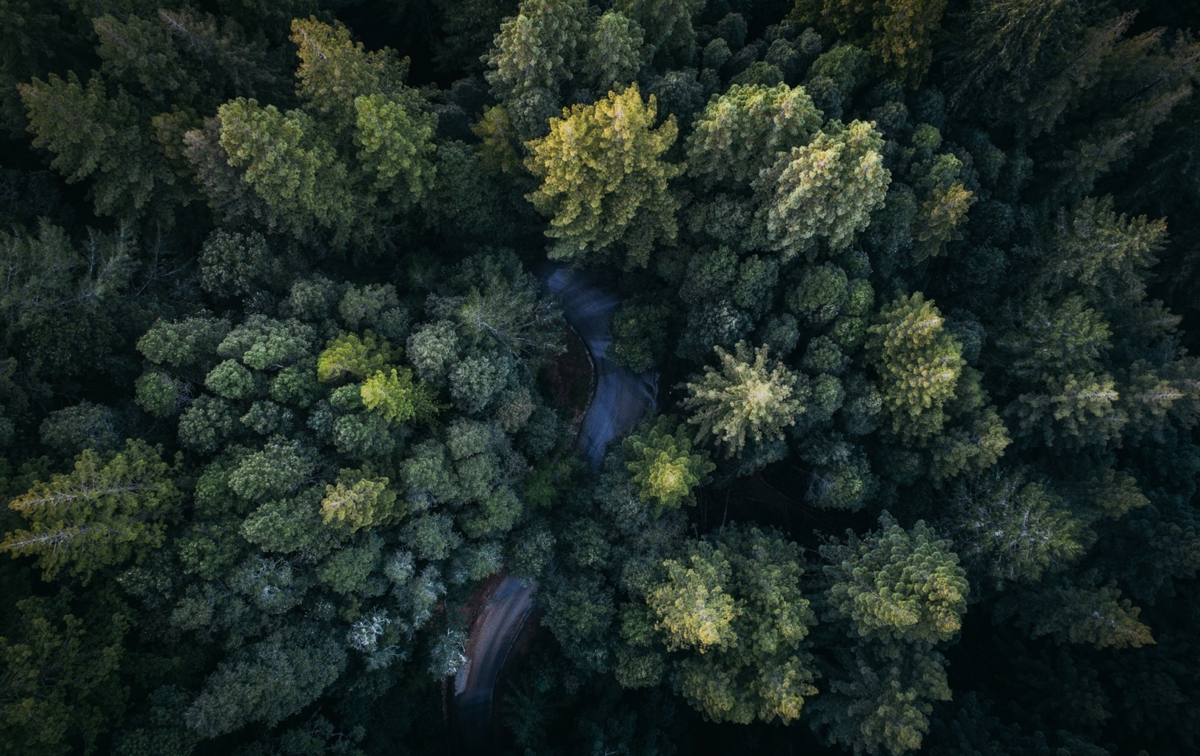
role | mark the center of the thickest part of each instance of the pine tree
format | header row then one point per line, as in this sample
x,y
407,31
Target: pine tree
x,y
106,511
97,135
1014,530
536,48
394,396
664,466
740,132
919,363
604,181
290,165
750,397
897,585
615,51
826,189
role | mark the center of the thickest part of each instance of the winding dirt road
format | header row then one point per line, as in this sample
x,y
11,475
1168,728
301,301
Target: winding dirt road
x,y
619,398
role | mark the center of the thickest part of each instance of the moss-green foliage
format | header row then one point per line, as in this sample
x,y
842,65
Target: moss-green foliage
x,y
750,397
604,179
663,464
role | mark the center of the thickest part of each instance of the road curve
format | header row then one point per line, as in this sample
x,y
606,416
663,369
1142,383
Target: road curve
x,y
619,398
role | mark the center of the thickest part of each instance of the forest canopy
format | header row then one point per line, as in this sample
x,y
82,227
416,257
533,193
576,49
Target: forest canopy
x,y
287,396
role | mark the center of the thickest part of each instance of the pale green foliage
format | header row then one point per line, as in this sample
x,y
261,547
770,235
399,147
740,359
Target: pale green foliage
x,y
741,131
231,380
749,397
433,348
354,504
263,343
939,217
663,464
1074,410
919,363
614,51
826,189
393,395
157,393
396,146
738,615
289,164
693,609
536,48
185,343
352,355
603,179
105,511
897,584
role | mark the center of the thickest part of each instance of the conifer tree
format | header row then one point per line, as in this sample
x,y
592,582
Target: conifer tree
x,y
899,33
536,49
826,189
740,132
663,465
104,512
95,134
749,398
919,363
604,180
615,51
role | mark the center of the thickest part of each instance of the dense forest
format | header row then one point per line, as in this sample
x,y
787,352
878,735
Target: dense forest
x,y
282,390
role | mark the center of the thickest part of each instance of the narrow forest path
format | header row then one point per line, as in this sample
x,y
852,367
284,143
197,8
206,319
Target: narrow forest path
x,y
619,398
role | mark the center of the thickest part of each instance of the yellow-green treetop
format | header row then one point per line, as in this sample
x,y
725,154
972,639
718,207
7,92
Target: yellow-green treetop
x,y
604,180
750,396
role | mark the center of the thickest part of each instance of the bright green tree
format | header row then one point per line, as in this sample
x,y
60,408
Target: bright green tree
x,y
751,397
897,585
603,179
663,464
352,355
104,512
740,132
395,396
826,189
355,504
919,363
